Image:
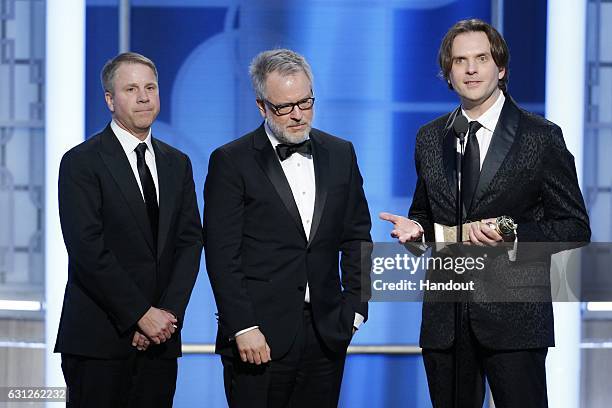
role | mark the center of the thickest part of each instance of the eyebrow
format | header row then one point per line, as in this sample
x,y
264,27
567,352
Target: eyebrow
x,y
137,85
485,53
291,103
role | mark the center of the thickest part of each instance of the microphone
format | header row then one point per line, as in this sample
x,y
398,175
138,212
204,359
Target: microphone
x,y
460,126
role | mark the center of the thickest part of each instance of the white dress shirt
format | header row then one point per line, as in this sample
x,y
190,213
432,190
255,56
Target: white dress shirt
x,y
488,120
129,143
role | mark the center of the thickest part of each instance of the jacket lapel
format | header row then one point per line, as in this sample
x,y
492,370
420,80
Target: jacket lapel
x,y
119,167
167,193
320,156
267,159
449,153
503,138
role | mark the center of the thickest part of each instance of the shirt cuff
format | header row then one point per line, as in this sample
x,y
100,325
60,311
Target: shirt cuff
x,y
422,230
512,252
248,329
358,320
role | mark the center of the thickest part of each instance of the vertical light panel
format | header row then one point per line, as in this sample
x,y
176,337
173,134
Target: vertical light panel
x,y
124,25
565,61
64,127
497,15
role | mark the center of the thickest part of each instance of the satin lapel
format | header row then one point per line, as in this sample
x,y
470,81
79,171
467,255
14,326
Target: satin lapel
x,y
267,159
119,167
503,138
320,157
167,193
449,153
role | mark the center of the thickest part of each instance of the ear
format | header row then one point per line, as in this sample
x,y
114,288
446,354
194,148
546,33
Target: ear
x,y
108,97
502,73
262,107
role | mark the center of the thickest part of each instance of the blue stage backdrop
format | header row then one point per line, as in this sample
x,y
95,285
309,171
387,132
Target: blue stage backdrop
x,y
376,82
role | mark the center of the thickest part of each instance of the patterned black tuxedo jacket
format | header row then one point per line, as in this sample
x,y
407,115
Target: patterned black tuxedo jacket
x,y
529,175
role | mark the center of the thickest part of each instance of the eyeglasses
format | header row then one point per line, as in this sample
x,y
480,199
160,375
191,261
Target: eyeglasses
x,y
287,108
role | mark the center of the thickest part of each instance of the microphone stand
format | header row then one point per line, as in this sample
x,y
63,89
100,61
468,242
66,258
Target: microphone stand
x,y
458,305
459,201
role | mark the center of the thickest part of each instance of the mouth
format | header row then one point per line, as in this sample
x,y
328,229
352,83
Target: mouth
x,y
472,84
298,126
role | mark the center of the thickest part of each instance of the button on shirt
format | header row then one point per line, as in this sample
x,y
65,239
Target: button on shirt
x,y
128,143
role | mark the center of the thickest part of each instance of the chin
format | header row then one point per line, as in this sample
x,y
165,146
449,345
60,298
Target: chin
x,y
297,137
144,125
474,99
284,135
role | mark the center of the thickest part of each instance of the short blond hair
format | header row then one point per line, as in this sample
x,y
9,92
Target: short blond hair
x,y
107,76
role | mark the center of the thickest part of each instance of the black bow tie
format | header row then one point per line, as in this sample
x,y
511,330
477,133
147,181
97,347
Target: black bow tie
x,y
284,151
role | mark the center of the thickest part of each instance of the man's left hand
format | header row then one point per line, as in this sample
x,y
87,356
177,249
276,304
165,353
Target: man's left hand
x,y
482,234
140,341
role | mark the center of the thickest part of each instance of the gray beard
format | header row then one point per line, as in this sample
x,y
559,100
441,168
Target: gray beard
x,y
285,137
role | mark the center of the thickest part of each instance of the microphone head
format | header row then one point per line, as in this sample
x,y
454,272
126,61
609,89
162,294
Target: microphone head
x,y
460,125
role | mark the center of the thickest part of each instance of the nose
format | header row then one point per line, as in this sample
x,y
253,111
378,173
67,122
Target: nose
x,y
471,66
143,96
296,114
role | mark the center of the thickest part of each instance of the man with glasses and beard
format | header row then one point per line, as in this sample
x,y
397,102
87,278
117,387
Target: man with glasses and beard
x,y
281,203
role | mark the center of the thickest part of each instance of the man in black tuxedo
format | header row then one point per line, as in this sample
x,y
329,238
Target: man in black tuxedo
x,y
132,230
281,203
520,180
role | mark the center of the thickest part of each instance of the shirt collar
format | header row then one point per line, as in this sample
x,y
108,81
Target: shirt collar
x,y
273,138
129,141
489,119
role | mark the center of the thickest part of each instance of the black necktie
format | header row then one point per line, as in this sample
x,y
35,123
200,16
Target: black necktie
x,y
286,150
148,188
471,166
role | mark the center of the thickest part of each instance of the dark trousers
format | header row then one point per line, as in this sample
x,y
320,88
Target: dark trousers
x,y
139,381
517,377
309,375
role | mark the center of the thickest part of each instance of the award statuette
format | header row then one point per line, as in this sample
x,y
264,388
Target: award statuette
x,y
445,233
504,226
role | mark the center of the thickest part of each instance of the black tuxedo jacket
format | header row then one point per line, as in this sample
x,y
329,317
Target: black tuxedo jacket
x,y
116,271
529,175
257,255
